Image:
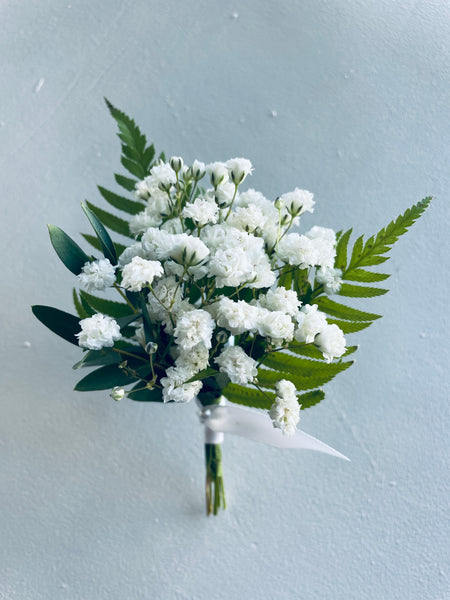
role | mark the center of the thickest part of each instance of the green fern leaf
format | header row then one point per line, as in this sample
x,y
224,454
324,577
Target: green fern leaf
x,y
301,367
129,206
125,182
239,394
363,276
360,291
323,375
341,250
308,350
350,326
310,399
81,310
344,312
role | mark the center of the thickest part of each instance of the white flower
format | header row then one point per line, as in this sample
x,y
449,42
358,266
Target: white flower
x,y
298,202
308,250
285,411
194,359
202,211
140,273
248,218
173,226
97,275
198,170
175,388
129,253
330,278
194,327
310,322
280,299
238,317
142,221
331,342
239,168
324,233
98,332
239,367
225,194
189,250
158,244
218,173
163,175
142,191
275,325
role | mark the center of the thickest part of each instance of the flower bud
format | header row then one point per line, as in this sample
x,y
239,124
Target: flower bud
x,y
278,203
151,348
198,170
176,162
239,168
218,173
117,393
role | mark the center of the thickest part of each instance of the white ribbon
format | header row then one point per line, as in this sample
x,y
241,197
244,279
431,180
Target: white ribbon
x,y
219,419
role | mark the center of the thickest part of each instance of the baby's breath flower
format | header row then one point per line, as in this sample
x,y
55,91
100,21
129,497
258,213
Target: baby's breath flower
x,y
218,173
239,367
140,273
97,275
285,411
98,332
239,168
331,342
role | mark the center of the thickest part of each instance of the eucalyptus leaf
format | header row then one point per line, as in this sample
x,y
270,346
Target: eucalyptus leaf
x,y
103,236
63,324
70,253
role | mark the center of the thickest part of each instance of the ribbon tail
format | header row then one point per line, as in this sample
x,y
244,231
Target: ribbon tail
x,y
258,427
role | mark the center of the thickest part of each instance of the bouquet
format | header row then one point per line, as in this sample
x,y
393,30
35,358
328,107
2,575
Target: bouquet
x,y
220,300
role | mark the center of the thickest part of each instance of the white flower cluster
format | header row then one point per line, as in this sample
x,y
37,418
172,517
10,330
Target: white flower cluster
x,y
208,265
285,411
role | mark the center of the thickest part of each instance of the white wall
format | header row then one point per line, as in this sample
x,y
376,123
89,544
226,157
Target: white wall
x,y
103,500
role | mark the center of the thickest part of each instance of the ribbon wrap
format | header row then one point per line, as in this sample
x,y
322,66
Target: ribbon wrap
x,y
219,419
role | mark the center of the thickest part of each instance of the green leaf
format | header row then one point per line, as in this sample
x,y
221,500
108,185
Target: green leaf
x,y
81,311
103,236
268,378
368,254
115,223
129,206
301,367
68,251
107,307
239,394
310,398
350,350
308,350
93,358
145,395
91,239
108,377
363,276
148,329
340,261
360,291
63,324
125,182
136,157
350,326
344,312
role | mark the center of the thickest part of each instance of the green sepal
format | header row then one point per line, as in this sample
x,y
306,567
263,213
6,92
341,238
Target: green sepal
x,y
110,376
106,307
111,221
129,206
125,182
360,291
145,395
310,399
63,324
341,311
70,253
106,242
246,396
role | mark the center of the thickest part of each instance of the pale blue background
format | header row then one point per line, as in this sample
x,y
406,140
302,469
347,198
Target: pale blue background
x,y
349,99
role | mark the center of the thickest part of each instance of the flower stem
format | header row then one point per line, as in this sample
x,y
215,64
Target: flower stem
x,y
215,491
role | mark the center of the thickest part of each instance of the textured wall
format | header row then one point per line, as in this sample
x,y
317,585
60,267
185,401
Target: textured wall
x,y
101,500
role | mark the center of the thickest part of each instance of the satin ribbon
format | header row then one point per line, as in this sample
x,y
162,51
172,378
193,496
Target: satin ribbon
x,y
219,419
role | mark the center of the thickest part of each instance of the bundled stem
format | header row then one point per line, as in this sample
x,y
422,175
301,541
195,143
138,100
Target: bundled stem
x,y
215,491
